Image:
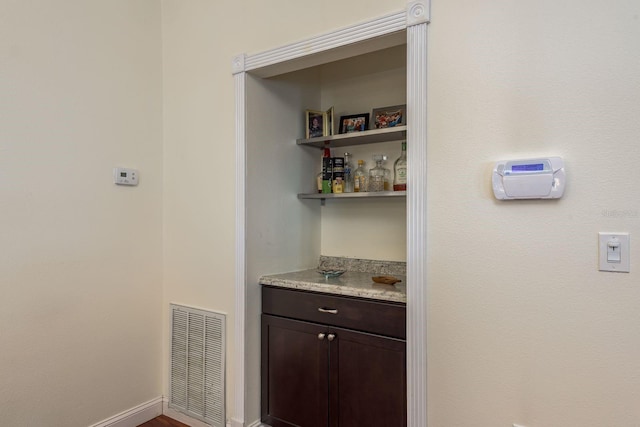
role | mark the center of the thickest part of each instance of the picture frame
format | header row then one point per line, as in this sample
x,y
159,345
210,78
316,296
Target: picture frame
x,y
387,117
329,121
354,123
315,123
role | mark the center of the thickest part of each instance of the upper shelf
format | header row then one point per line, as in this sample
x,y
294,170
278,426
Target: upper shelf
x,y
396,133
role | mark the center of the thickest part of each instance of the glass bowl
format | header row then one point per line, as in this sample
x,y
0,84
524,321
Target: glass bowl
x,y
328,274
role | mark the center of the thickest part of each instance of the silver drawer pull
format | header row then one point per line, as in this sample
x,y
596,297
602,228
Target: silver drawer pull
x,y
327,310
331,337
321,336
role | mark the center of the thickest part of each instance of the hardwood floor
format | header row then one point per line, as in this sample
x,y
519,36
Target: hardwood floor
x,y
163,421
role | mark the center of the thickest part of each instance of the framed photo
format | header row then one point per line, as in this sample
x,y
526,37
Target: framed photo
x,y
315,123
354,123
388,117
329,127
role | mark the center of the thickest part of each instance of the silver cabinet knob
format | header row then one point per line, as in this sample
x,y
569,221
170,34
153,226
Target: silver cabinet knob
x,y
321,336
331,337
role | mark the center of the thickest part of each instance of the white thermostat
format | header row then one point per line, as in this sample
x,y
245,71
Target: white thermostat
x,y
542,178
125,176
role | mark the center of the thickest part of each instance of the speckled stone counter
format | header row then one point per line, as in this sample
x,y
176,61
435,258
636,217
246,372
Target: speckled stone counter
x,y
351,283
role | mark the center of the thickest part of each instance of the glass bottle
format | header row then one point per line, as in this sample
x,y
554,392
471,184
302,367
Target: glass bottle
x,y
338,175
326,151
327,169
319,182
400,170
378,175
319,176
348,174
388,180
360,181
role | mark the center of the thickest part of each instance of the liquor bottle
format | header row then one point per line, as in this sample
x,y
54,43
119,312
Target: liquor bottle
x,y
338,175
388,181
327,169
400,170
360,181
348,174
326,151
379,174
319,177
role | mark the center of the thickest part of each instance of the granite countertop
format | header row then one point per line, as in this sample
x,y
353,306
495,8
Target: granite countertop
x,y
351,283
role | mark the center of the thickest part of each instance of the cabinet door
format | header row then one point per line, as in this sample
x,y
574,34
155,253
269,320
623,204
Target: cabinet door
x,y
367,380
295,384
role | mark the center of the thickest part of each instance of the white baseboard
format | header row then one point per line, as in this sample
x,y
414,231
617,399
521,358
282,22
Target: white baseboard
x,y
179,416
236,423
160,405
135,416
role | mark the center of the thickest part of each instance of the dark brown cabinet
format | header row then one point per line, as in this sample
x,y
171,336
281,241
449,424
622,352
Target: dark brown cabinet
x,y
326,362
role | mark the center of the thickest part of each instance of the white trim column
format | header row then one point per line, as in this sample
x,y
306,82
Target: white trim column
x,y
418,16
239,81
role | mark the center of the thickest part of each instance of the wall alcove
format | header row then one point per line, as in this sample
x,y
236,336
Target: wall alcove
x,y
276,231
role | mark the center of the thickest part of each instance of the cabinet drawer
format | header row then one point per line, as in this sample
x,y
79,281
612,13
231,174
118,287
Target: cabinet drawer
x,y
375,317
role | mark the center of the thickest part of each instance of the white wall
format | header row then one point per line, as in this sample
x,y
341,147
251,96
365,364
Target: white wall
x,y
80,259
522,326
372,228
200,38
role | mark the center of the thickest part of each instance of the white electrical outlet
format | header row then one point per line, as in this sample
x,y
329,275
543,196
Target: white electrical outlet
x,y
124,176
518,425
